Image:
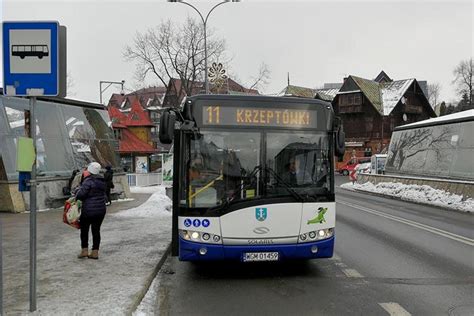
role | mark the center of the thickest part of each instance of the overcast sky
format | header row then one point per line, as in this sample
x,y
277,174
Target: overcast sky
x,y
314,41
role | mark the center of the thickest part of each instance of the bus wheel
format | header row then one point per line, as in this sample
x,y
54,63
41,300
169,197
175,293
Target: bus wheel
x,y
40,57
22,57
345,172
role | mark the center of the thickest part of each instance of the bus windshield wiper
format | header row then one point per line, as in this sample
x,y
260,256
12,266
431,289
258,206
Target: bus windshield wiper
x,y
286,185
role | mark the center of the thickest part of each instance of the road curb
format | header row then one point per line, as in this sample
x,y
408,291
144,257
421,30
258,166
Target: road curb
x,y
140,295
409,201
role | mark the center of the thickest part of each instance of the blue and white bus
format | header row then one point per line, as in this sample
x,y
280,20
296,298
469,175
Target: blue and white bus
x,y
253,177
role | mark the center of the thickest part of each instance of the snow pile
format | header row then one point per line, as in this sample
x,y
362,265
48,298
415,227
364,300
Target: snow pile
x,y
416,193
158,205
150,189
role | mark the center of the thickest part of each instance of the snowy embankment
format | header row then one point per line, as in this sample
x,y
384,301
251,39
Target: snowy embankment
x,y
416,193
157,205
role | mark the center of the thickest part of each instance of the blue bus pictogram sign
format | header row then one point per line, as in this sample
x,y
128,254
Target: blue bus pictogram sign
x,y
31,59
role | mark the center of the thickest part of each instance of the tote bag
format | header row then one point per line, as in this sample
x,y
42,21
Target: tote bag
x,y
72,213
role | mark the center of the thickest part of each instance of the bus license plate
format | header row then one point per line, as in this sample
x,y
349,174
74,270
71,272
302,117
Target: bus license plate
x,y
261,256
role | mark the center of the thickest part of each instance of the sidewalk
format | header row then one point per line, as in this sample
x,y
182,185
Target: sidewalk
x,y
135,236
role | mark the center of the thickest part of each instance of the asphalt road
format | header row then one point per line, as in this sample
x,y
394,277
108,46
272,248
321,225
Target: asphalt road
x,y
392,258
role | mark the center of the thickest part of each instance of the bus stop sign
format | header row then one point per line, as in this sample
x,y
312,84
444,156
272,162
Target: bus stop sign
x,y
34,59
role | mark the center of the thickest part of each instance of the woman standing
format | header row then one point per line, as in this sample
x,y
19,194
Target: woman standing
x,y
92,195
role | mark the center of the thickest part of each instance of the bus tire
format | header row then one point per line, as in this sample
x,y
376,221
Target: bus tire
x,y
345,172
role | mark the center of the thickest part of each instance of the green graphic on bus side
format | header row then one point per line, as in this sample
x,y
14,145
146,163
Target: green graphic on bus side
x,y
320,217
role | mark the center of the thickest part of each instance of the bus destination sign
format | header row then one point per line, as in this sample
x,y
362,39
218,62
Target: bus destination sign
x,y
271,117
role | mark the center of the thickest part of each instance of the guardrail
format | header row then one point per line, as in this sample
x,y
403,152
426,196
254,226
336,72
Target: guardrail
x,y
144,179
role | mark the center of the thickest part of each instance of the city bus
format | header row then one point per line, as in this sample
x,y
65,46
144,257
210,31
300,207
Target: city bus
x,y
253,177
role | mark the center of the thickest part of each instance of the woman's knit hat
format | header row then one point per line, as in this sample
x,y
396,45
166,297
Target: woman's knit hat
x,y
94,168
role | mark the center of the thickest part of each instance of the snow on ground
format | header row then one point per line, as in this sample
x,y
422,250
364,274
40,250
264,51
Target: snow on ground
x,y
133,242
416,193
157,205
149,189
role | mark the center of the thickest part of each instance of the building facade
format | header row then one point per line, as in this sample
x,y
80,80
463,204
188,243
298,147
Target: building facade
x,y
370,110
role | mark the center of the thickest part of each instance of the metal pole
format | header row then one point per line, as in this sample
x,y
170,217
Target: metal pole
x,y
100,89
205,59
33,210
1,268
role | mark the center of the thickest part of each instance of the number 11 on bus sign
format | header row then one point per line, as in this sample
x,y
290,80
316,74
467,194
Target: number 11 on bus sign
x,y
213,114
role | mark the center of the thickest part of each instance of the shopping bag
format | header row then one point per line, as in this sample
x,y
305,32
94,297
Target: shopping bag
x,y
72,212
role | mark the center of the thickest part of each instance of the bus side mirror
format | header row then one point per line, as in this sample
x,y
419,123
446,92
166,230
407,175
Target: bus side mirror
x,y
340,146
166,133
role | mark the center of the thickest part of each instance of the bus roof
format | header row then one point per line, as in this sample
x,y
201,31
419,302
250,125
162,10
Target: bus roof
x,y
463,116
258,98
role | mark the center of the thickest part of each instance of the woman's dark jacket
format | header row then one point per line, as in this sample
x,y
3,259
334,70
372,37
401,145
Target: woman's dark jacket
x,y
92,195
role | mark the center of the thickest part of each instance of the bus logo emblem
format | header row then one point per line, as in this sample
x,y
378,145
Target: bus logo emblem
x,y
261,213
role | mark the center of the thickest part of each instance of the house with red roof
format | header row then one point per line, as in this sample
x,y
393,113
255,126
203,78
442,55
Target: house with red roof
x,y
176,90
133,130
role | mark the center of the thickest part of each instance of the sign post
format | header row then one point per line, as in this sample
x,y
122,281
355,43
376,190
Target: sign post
x,y
33,210
34,64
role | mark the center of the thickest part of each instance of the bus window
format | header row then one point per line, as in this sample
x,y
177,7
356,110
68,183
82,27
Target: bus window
x,y
219,166
299,161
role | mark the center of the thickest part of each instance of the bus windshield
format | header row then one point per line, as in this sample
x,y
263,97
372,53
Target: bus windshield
x,y
222,166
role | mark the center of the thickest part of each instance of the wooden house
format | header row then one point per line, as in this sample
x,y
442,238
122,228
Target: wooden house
x,y
371,109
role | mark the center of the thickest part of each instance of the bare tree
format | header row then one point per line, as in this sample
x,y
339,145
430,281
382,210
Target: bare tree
x,y
174,51
434,90
463,78
70,83
262,77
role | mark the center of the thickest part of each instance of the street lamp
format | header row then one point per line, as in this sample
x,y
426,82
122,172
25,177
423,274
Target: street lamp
x,y
204,22
121,83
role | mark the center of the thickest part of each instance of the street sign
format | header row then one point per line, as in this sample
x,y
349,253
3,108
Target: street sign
x,y
34,55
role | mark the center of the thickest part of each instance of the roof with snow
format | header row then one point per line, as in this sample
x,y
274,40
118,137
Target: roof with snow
x,y
326,94
117,117
138,116
384,96
392,92
445,119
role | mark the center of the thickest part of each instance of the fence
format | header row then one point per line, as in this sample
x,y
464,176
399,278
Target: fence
x,y
144,179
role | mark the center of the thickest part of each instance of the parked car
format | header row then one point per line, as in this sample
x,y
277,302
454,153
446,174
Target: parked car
x,y
351,164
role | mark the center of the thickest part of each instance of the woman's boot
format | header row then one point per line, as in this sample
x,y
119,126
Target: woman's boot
x,y
94,254
83,253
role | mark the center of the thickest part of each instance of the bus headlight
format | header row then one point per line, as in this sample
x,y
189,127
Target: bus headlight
x,y
195,235
200,237
317,235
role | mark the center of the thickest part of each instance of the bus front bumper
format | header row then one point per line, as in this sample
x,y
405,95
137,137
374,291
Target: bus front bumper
x,y
192,251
